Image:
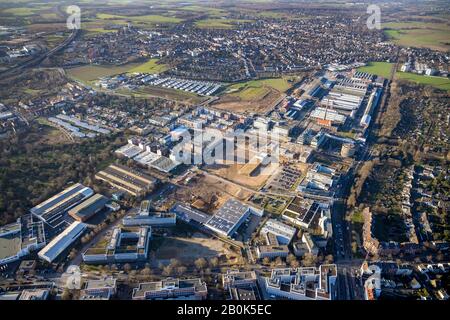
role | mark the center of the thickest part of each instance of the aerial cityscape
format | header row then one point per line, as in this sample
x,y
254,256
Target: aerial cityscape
x,y
232,150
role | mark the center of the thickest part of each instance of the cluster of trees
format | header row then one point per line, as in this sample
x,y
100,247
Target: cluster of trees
x,y
32,170
308,260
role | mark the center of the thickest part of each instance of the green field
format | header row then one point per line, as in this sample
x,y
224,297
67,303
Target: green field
x,y
382,69
218,23
87,74
210,11
20,11
148,18
419,34
437,82
150,66
254,89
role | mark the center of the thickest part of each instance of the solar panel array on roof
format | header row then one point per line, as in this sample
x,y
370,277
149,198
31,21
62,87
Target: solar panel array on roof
x,y
228,217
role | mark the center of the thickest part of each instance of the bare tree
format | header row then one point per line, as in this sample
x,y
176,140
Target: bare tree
x,y
200,263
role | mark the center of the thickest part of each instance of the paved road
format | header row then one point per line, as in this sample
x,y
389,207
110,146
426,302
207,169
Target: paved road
x,y
37,60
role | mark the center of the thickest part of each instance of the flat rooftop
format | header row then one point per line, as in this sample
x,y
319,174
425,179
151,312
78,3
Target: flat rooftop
x,y
186,213
302,210
169,285
52,250
85,208
228,216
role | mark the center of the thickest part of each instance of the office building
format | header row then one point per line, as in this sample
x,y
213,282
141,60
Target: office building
x,y
301,212
122,244
171,289
19,239
102,289
306,283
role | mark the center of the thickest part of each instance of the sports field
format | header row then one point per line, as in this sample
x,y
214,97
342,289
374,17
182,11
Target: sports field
x,y
382,69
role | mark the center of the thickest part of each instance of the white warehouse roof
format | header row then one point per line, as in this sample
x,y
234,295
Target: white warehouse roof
x,y
61,242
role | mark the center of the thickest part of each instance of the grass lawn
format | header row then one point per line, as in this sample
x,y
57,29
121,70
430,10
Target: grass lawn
x,y
150,66
419,34
87,74
255,89
382,69
438,82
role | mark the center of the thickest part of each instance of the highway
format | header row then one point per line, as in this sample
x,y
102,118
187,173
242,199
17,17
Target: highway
x,y
38,59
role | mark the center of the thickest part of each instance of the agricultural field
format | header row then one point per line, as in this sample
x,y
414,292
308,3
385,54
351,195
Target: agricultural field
x,y
201,9
218,23
437,82
20,11
148,18
382,69
419,34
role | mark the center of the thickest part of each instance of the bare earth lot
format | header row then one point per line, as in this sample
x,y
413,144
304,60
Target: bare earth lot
x,y
260,104
231,172
190,249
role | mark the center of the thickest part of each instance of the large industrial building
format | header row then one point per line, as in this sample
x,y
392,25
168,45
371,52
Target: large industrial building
x,y
62,241
190,215
307,283
88,208
171,289
19,239
129,180
229,217
51,210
